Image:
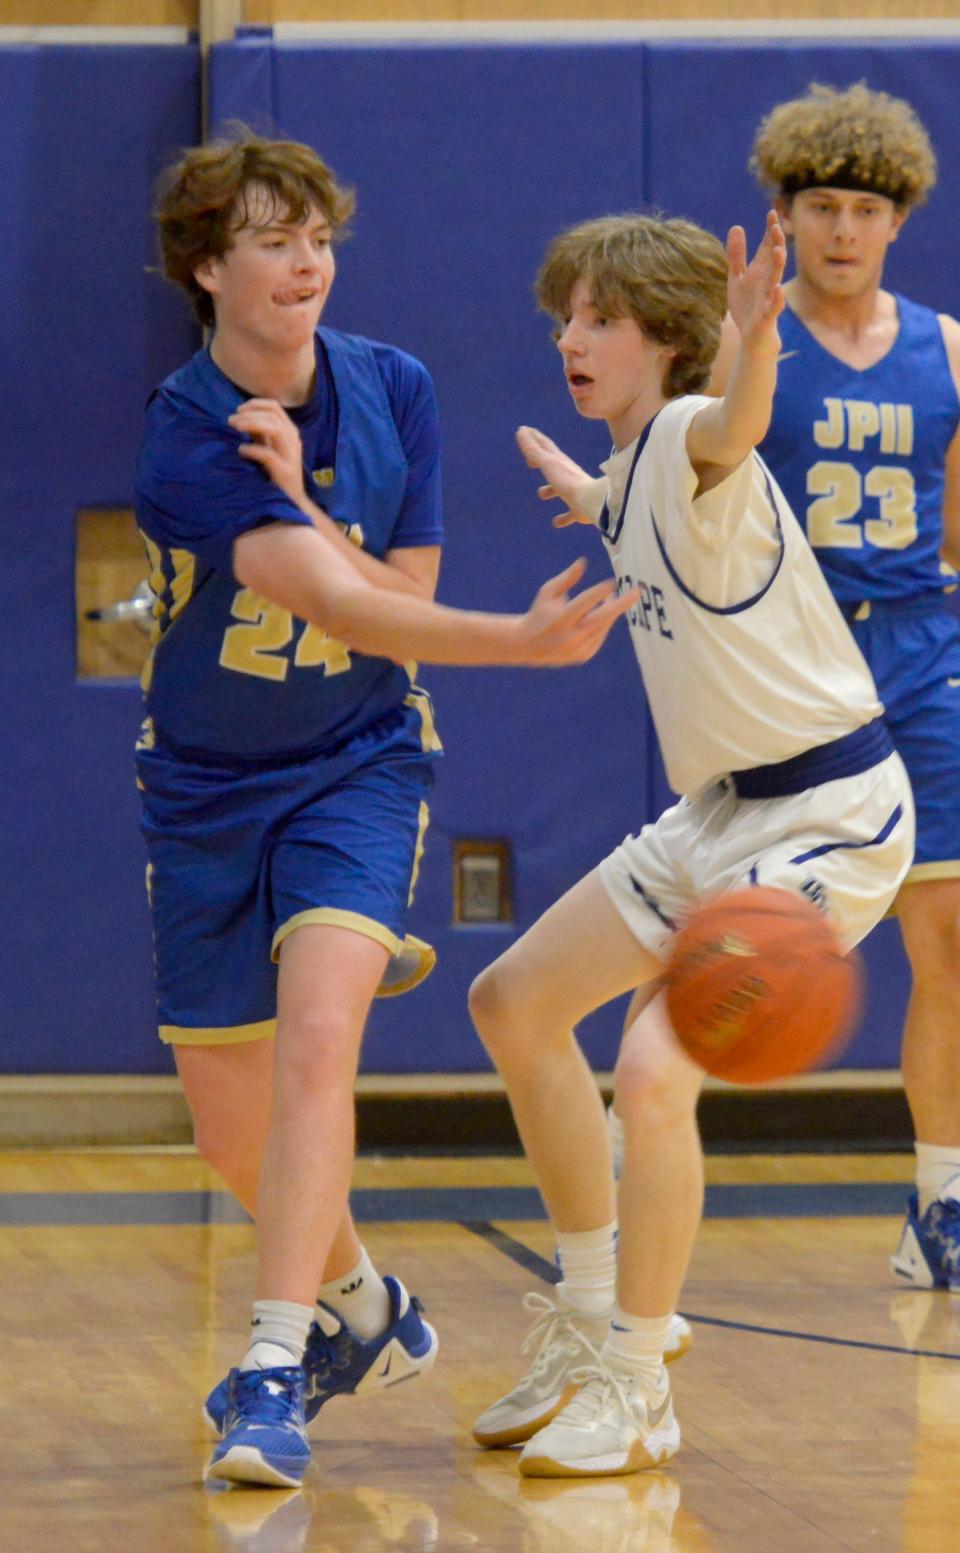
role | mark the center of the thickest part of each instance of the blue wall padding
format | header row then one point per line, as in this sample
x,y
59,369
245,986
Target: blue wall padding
x,y
705,101
466,160
87,332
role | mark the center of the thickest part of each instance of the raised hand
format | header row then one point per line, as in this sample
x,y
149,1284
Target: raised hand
x,y
565,479
274,443
754,291
558,630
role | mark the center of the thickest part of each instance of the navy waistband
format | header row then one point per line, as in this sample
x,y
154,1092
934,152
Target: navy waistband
x,y
853,753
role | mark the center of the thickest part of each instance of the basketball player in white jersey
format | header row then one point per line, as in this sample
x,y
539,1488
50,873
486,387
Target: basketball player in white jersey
x,y
769,724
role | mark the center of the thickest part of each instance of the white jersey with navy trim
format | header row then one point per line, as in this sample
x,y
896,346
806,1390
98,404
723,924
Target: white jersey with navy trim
x,y
746,658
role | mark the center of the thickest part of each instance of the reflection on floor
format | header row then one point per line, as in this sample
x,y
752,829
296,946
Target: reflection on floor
x,y
820,1404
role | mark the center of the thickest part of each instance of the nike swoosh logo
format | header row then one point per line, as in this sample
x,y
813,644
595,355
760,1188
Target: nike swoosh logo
x,y
656,1415
786,356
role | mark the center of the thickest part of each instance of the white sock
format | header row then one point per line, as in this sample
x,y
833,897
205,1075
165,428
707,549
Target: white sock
x,y
360,1298
635,1345
278,1334
936,1168
588,1262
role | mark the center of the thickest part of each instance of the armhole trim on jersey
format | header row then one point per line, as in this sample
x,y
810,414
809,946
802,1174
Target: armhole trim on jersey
x,y
728,609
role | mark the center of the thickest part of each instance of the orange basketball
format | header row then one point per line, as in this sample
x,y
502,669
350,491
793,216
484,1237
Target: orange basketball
x,y
758,986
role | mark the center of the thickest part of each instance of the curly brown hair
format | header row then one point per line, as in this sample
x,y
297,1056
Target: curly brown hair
x,y
669,275
201,200
849,138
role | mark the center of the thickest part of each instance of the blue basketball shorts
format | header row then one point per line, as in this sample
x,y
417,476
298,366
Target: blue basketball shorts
x,y
913,650
241,856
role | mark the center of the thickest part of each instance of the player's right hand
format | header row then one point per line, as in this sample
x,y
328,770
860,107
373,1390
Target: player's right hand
x,y
565,478
274,443
558,629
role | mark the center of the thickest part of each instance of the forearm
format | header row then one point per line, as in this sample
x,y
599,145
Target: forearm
x,y
728,430
367,566
322,584
401,626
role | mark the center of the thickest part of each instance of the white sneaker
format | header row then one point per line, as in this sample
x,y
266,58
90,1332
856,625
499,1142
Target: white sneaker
x,y
679,1338
613,1425
564,1340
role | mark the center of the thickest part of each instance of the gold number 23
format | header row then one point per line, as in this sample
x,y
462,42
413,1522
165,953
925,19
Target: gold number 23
x,y
256,645
835,519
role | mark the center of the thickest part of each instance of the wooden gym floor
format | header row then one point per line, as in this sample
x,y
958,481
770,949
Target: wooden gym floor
x,y
820,1403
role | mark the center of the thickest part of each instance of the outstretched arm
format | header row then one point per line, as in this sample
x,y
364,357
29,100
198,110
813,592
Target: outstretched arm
x,y
299,569
377,608
722,434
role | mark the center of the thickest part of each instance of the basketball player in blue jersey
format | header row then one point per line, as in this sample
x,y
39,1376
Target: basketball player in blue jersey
x,y
864,441
288,491
769,723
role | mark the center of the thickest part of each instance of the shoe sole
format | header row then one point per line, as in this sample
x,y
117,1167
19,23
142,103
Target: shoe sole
x,y
683,1345
244,1464
920,1277
641,1457
502,1439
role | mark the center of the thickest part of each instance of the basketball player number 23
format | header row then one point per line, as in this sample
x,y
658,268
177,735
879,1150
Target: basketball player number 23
x,y
840,490
255,646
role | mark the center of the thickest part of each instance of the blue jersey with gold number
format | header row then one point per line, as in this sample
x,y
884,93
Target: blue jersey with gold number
x,y
860,456
232,674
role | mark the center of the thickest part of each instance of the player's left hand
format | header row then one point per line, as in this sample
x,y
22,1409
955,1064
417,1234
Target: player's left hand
x,y
755,296
274,443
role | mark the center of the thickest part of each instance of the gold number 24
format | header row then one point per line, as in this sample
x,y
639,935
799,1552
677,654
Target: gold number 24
x,y
256,645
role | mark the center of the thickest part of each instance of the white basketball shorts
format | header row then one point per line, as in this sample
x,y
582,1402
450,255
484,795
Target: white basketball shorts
x,y
846,845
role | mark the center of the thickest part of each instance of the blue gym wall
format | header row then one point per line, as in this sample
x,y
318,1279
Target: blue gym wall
x,y
466,160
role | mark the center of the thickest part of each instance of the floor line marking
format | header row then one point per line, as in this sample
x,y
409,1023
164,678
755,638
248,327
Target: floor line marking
x,y
532,1262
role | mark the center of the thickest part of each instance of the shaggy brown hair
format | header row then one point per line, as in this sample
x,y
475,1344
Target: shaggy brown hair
x,y
201,200
668,275
848,139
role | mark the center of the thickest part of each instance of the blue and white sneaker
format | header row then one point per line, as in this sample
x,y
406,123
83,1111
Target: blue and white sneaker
x,y
343,1364
264,1429
928,1255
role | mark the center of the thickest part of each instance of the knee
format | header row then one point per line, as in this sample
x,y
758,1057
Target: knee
x,y
502,1008
228,1144
489,1002
316,1052
652,1094
933,943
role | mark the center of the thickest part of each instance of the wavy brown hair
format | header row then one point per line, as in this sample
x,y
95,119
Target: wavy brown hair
x,y
848,137
669,275
202,200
